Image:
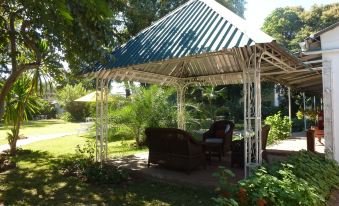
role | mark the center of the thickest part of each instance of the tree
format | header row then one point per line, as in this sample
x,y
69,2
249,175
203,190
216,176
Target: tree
x,y
44,33
291,25
146,107
140,14
237,6
66,97
20,102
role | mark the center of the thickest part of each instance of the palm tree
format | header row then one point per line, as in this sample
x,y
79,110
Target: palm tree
x,y
20,102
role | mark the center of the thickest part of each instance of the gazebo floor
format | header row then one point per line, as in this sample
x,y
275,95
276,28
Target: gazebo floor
x,y
137,165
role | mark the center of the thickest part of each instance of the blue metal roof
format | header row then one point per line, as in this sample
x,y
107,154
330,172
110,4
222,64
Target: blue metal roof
x,y
197,27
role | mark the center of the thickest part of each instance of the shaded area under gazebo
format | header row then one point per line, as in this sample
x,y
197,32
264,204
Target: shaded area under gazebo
x,y
203,43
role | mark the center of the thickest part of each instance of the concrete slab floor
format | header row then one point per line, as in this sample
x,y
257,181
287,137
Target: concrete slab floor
x,y
137,164
297,142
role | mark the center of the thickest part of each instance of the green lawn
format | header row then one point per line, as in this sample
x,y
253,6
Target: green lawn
x,y
38,181
66,145
41,127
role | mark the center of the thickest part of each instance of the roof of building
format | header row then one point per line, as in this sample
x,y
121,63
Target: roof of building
x,y
199,26
329,28
204,43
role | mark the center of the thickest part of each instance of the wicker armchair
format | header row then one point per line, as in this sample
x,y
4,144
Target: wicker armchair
x,y
173,148
223,131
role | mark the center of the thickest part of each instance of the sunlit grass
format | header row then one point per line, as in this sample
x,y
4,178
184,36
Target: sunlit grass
x,y
67,145
38,181
41,127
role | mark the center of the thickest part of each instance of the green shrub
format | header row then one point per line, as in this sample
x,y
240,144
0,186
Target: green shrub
x,y
146,107
319,171
280,127
66,97
281,189
66,116
83,166
46,108
303,179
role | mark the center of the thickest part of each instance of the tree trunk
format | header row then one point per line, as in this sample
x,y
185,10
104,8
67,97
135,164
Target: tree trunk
x,y
5,90
12,143
11,80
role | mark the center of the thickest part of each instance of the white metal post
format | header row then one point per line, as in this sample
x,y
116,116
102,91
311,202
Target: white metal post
x,y
101,119
252,113
304,101
289,107
181,106
97,132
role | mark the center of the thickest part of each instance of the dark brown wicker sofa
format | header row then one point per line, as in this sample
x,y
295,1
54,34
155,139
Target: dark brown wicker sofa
x,y
173,148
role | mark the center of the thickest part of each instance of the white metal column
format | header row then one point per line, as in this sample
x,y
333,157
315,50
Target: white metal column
x,y
252,114
101,119
305,121
181,88
289,107
327,106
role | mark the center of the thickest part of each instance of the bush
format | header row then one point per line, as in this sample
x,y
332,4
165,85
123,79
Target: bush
x,y
322,173
84,167
146,107
282,188
48,109
66,97
66,116
303,179
280,127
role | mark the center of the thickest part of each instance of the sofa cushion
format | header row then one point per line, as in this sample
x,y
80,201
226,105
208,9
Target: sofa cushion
x,y
214,140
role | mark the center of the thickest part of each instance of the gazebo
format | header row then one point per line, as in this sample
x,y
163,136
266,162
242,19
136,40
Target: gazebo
x,y
203,43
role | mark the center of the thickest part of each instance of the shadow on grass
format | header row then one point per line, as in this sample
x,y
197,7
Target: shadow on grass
x,y
38,181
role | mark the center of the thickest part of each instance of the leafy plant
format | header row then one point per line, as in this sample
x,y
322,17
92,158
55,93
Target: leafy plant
x,y
280,127
66,116
283,188
225,188
319,171
303,179
21,102
48,109
66,97
84,167
146,107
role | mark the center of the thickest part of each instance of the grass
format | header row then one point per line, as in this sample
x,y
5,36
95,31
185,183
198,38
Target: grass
x,y
38,181
41,127
66,145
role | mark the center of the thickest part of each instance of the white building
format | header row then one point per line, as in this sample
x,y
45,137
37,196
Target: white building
x,y
323,47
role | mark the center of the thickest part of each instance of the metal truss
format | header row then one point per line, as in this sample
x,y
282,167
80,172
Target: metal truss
x,y
252,113
101,120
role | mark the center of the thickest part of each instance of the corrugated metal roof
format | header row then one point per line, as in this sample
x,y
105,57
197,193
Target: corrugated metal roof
x,y
197,27
329,28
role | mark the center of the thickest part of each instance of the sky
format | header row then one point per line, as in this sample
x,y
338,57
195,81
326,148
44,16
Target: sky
x,y
258,10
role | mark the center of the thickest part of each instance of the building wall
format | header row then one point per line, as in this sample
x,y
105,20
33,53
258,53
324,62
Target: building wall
x,y
330,41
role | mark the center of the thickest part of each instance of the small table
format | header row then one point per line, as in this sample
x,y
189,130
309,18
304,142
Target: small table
x,y
211,148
